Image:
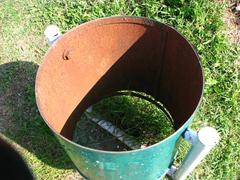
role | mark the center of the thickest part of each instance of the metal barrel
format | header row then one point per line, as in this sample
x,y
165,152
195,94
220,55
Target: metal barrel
x,y
100,57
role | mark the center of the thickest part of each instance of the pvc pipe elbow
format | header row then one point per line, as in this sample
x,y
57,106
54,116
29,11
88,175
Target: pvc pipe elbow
x,y
52,33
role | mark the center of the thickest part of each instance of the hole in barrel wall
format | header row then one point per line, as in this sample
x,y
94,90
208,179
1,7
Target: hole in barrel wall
x,y
126,121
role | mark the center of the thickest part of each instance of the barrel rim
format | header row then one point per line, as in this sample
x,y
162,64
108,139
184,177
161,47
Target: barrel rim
x,y
117,20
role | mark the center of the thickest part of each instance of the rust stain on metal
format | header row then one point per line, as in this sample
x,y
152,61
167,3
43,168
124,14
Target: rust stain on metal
x,y
66,54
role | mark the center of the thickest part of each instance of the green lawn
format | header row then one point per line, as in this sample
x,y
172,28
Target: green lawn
x,y
22,47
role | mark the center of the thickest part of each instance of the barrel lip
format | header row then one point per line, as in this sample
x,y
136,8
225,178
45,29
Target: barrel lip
x,y
116,20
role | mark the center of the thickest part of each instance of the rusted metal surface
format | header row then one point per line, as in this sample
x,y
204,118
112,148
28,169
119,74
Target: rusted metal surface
x,y
99,58
115,54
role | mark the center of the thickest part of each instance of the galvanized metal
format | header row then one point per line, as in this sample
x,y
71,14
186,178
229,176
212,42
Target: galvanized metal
x,y
104,56
115,132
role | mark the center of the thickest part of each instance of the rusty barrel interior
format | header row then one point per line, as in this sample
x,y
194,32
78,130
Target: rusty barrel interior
x,y
101,57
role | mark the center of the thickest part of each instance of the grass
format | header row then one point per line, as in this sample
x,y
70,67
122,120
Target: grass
x,y
22,46
139,118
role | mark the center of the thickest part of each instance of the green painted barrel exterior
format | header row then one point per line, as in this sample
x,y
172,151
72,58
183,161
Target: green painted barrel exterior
x,y
145,164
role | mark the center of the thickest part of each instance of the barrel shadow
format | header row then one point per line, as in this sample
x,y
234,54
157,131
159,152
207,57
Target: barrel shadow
x,y
19,117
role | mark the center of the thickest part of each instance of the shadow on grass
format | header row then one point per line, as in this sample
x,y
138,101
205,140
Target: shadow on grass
x,y
20,119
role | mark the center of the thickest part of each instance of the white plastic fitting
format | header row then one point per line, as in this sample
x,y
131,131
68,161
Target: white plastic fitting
x,y
52,33
238,7
190,136
202,143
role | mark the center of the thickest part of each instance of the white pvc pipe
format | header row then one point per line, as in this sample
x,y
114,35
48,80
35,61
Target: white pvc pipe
x,y
52,33
202,142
